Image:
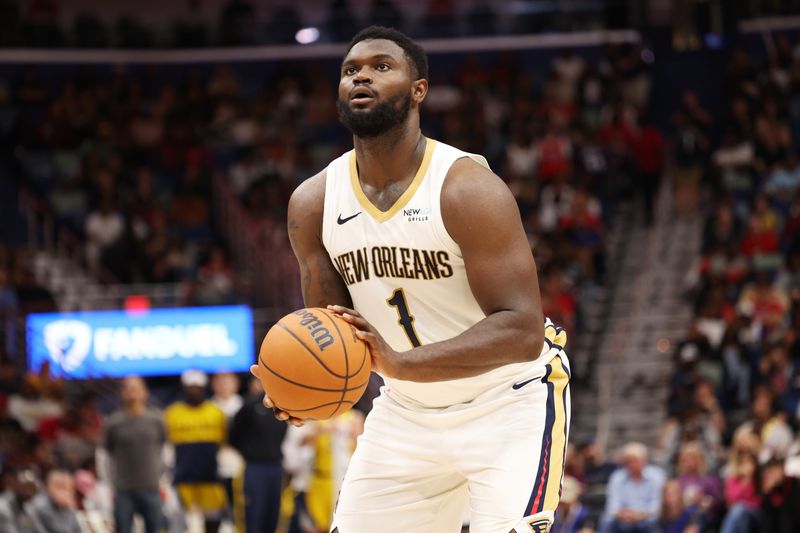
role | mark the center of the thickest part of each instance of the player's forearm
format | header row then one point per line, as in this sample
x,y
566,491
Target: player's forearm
x,y
502,338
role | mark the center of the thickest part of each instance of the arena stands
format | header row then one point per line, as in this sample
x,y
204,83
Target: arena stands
x,y
203,23
734,394
178,174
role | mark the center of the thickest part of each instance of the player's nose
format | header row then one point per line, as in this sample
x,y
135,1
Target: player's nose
x,y
362,77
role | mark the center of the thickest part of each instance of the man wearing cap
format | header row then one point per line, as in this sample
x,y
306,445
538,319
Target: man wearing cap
x,y
197,428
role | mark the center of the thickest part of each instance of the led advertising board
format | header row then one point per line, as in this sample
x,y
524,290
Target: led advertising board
x,y
95,344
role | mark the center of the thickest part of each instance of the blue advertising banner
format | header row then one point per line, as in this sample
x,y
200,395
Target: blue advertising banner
x,y
94,344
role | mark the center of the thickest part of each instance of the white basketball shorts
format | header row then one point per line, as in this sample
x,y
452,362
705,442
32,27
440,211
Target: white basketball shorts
x,y
498,459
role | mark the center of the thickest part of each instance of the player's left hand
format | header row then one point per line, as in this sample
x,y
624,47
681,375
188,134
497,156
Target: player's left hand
x,y
385,360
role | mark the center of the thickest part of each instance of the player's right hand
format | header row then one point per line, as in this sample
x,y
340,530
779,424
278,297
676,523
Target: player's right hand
x,y
280,415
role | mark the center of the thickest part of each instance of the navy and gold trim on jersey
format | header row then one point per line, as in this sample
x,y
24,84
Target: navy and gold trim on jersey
x,y
369,207
547,484
555,337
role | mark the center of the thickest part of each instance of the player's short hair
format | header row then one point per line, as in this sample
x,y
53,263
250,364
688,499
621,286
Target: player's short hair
x,y
414,52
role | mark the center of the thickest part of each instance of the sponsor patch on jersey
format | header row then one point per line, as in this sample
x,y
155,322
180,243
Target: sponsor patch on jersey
x,y
417,214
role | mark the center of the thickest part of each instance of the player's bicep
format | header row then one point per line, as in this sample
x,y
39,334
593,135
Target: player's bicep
x,y
482,216
320,282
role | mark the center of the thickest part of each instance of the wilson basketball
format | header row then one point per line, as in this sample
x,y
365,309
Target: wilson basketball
x,y
312,364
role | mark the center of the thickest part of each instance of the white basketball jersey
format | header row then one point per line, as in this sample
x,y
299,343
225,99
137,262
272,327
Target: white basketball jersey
x,y
404,272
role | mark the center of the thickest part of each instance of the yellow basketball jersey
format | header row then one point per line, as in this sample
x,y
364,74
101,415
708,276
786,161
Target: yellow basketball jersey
x,y
405,273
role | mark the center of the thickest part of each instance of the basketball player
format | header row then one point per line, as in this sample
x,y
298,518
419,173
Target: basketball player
x,y
420,247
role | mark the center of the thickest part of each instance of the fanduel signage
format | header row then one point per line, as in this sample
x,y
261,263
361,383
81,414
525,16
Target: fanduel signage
x,y
155,342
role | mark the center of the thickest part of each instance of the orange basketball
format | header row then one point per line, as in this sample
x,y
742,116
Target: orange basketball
x,y
313,365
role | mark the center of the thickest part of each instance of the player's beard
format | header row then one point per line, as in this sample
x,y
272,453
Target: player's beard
x,y
381,118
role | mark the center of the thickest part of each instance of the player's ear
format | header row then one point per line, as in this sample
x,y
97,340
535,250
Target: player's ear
x,y
419,89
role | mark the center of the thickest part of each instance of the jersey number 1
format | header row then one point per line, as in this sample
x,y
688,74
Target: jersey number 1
x,y
404,318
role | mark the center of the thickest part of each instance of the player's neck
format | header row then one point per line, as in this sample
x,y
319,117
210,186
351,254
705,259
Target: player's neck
x,y
390,157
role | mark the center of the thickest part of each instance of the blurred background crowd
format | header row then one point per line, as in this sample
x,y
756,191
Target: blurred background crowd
x,y
169,174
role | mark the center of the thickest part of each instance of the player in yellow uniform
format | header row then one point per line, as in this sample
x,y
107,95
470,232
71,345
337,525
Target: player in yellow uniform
x,y
197,428
421,248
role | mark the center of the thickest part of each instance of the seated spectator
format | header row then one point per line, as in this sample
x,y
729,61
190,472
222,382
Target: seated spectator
x,y
764,301
742,495
596,467
779,372
634,494
722,229
571,515
75,434
103,227
733,161
676,515
29,407
760,237
770,424
15,513
557,300
701,490
190,210
780,511
574,464
54,510
783,181
216,282
745,441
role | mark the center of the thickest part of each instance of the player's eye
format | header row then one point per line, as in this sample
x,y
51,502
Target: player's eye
x,y
382,67
349,71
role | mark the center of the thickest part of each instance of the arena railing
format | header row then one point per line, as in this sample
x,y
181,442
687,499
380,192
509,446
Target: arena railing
x,y
311,51
59,243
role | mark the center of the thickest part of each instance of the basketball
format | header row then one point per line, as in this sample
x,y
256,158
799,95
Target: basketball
x,y
312,364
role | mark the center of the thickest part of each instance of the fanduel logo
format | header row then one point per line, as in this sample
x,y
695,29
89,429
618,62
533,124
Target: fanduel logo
x,y
68,342
163,342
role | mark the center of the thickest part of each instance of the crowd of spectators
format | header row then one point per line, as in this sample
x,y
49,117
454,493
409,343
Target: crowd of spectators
x,y
128,157
97,457
730,446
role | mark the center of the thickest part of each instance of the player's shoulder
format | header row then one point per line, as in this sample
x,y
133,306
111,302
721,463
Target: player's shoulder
x,y
469,180
310,193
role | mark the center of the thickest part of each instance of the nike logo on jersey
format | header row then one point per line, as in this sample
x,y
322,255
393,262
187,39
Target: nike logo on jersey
x,y
341,220
517,386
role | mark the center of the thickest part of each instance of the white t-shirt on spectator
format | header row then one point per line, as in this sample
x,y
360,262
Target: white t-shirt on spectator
x,y
103,229
30,412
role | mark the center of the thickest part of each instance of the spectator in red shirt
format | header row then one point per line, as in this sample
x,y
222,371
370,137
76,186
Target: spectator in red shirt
x,y
648,161
553,151
760,238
